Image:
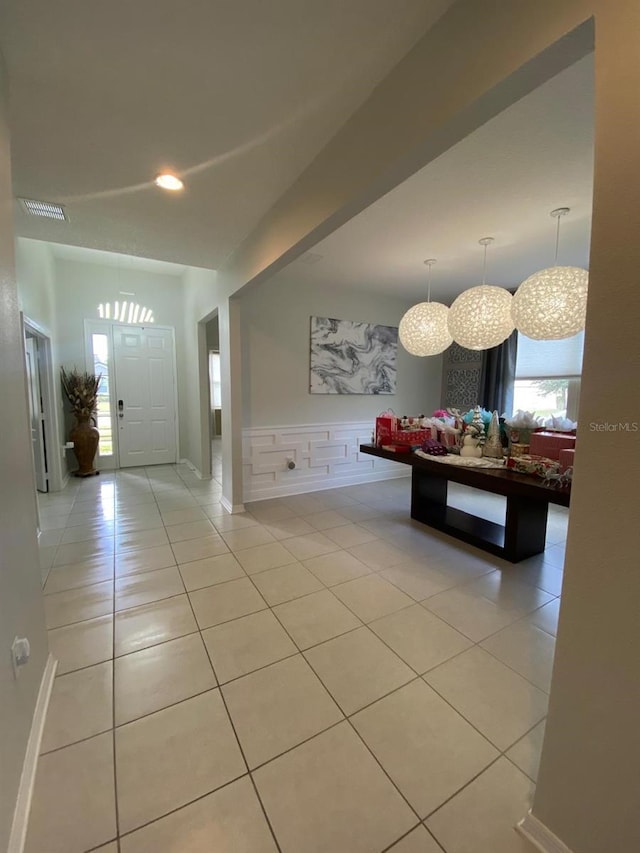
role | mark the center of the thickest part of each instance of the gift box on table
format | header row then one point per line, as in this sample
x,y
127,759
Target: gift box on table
x,y
550,444
566,459
449,439
538,466
409,436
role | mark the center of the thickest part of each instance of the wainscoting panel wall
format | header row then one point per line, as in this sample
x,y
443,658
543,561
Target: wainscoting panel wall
x,y
325,456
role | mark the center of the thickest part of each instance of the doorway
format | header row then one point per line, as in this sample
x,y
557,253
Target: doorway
x,y
212,333
137,397
34,362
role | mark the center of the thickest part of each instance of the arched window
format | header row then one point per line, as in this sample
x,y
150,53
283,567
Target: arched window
x,y
125,312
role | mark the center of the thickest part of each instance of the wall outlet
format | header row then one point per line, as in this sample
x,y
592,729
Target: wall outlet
x,y
20,654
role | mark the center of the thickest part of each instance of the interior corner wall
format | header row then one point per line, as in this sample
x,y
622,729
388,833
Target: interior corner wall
x,y
21,601
275,384
200,298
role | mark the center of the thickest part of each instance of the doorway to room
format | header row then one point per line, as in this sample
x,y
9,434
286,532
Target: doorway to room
x,y
212,333
34,361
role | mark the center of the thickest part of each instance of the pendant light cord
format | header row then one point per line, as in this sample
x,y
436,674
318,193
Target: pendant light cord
x,y
428,264
486,242
557,214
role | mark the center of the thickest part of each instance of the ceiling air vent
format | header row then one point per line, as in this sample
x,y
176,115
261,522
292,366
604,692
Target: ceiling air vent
x,y
47,209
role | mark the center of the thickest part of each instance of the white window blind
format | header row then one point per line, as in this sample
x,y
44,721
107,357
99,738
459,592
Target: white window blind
x,y
550,359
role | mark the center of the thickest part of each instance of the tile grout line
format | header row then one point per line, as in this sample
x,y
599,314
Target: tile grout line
x,y
113,700
231,723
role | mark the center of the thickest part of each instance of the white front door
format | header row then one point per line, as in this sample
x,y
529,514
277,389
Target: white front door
x,y
36,414
145,395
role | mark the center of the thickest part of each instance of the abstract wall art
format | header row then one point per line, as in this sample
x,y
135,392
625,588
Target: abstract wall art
x,y
352,358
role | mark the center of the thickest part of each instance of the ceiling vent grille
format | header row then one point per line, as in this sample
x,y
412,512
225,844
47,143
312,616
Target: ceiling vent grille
x,y
47,209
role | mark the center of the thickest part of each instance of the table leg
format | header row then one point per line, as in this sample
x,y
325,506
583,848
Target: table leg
x,y
426,489
525,528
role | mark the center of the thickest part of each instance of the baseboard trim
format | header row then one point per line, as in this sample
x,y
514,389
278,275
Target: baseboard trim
x,y
285,490
540,835
193,468
28,778
231,508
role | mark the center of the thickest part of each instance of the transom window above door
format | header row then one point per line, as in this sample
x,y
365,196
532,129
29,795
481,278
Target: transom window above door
x,y
125,312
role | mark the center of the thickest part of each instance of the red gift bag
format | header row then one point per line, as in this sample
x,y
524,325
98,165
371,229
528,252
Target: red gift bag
x,y
386,423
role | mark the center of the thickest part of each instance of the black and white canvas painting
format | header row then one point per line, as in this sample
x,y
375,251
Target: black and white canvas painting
x,y
352,358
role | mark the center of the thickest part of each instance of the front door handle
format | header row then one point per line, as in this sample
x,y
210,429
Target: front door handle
x,y
120,408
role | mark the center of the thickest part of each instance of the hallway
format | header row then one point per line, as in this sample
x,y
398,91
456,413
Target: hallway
x,y
317,675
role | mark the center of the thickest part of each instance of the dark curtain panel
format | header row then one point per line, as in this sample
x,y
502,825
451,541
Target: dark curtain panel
x,y
497,376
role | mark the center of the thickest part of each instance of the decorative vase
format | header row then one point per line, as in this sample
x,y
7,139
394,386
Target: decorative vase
x,y
85,438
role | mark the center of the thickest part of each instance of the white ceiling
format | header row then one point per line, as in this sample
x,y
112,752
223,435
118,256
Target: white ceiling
x,y
238,97
501,181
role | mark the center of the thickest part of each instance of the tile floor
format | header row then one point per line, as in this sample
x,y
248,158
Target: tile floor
x,y
317,675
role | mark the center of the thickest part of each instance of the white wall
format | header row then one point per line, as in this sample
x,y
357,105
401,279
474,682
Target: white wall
x,y
204,295
275,357
82,286
321,433
35,276
21,608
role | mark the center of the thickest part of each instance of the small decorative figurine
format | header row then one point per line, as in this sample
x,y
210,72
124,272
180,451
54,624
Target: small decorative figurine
x,y
471,443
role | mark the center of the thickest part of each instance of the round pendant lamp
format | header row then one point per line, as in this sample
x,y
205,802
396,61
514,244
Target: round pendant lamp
x,y
423,329
480,318
552,303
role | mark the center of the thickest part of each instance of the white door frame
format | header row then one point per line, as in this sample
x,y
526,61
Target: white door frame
x,y
101,326
47,389
205,394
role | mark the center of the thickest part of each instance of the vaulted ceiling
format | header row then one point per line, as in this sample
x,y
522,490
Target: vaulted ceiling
x,y
501,181
237,97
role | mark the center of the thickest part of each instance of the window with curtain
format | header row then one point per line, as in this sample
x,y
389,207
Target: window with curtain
x,y
548,376
214,380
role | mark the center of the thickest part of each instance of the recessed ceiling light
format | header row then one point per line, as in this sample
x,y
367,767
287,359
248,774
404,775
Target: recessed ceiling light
x,y
169,182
